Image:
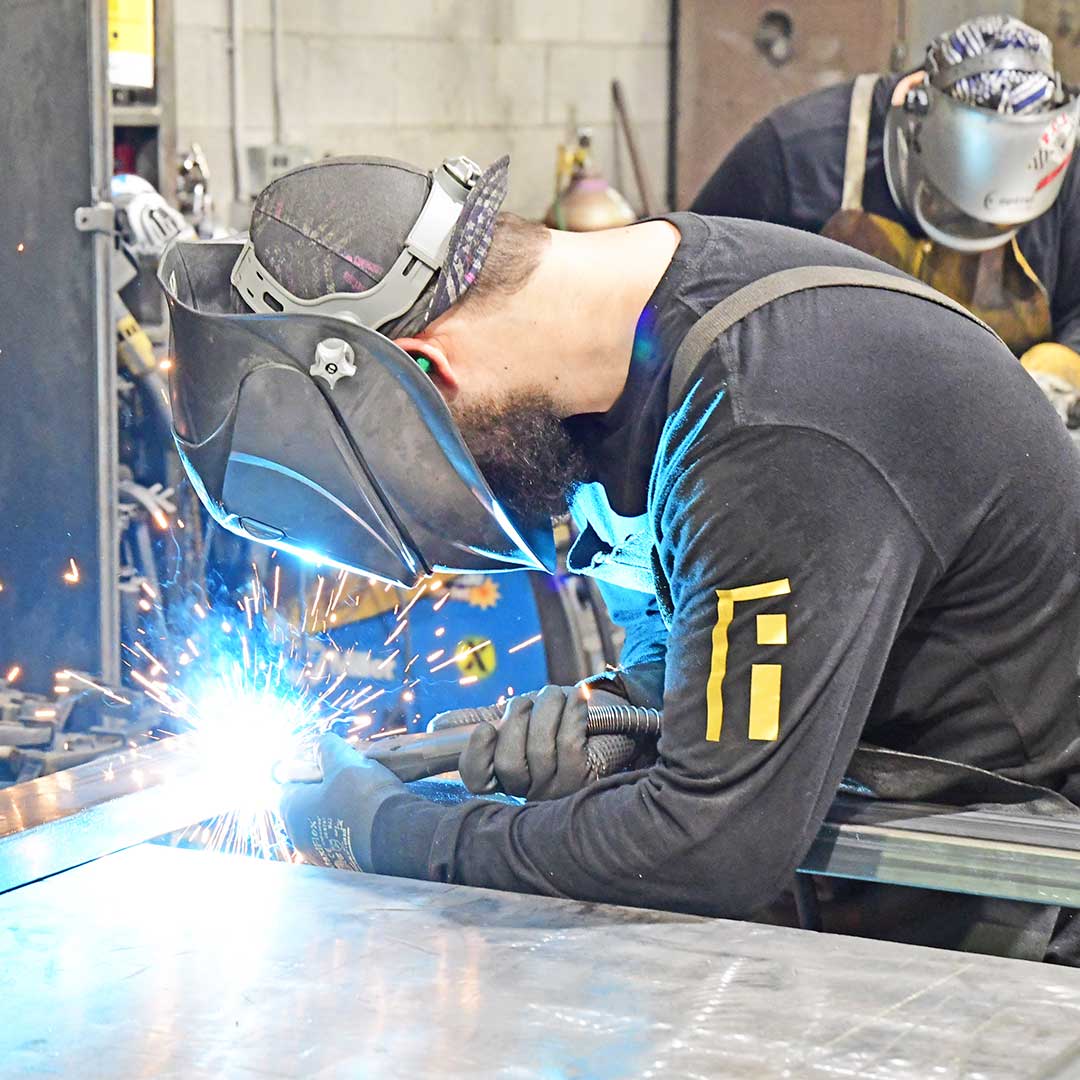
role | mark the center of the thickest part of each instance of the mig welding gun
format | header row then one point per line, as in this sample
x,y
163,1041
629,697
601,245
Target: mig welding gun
x,y
614,740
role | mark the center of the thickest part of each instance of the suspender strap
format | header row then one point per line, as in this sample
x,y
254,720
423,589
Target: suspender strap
x,y
858,135
757,294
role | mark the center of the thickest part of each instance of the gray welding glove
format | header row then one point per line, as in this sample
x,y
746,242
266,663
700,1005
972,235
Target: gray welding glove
x,y
330,822
538,749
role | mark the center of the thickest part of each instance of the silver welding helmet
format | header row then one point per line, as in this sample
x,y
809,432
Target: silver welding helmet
x,y
303,427
970,174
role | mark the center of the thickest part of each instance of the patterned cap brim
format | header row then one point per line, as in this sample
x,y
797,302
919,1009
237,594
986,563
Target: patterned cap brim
x,y
471,238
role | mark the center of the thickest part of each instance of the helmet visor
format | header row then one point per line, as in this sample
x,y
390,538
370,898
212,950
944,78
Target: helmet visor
x,y
942,220
972,177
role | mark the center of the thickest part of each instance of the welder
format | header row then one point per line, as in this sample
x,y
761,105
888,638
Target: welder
x,y
824,500
960,173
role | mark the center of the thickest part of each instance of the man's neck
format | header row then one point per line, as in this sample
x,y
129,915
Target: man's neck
x,y
570,329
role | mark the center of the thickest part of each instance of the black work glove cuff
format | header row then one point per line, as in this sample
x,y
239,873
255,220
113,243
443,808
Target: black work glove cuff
x,y
402,835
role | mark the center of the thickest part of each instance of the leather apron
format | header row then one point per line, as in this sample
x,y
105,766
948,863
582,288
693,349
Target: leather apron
x,y
998,286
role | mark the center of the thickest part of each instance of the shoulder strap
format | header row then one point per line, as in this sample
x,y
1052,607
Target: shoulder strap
x,y
757,294
858,135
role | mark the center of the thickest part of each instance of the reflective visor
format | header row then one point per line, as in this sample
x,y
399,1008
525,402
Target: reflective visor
x,y
972,177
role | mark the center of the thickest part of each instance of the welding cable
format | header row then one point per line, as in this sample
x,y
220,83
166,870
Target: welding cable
x,y
613,731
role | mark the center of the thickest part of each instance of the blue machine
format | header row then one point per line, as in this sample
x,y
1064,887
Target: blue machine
x,y
466,641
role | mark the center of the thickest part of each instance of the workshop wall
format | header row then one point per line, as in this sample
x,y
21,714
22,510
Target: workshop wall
x,y
775,51
422,79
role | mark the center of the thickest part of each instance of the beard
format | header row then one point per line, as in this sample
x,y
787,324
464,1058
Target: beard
x,y
525,451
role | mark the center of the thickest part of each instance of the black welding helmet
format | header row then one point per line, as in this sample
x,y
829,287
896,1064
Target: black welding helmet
x,y
309,430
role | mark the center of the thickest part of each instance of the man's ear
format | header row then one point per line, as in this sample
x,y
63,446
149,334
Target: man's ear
x,y
435,354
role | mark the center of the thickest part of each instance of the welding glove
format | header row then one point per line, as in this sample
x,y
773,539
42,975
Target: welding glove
x,y
1056,368
330,822
538,749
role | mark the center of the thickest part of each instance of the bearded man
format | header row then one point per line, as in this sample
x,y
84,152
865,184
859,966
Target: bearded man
x,y
824,500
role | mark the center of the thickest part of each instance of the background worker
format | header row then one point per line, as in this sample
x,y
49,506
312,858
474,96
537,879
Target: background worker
x,y
960,174
800,580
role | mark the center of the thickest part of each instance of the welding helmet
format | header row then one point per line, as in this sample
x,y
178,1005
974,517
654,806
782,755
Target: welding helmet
x,y
302,426
981,147
145,222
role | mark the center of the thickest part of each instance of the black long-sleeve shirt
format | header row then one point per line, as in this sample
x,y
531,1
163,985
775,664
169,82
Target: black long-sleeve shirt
x,y
789,169
906,506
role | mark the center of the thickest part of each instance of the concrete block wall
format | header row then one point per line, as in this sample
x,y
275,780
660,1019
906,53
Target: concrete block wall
x,y
423,79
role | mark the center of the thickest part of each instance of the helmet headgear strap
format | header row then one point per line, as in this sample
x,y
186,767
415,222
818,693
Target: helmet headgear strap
x,y
394,294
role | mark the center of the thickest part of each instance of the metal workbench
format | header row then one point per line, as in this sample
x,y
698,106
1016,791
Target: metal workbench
x,y
170,963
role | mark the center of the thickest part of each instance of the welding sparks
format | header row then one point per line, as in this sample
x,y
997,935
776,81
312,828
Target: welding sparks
x,y
20,247
247,693
13,673
408,607
525,644
72,574
389,731
103,690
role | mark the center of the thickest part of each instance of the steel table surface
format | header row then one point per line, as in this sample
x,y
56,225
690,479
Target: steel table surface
x,y
168,963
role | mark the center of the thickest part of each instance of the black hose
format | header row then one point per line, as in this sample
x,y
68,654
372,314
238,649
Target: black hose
x,y
613,730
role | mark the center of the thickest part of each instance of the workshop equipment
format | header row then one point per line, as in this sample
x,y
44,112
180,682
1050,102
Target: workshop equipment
x,y
59,821
584,200
612,744
84,720
73,817
649,205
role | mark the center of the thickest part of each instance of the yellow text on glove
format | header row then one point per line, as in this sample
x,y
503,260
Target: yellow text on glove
x,y
764,678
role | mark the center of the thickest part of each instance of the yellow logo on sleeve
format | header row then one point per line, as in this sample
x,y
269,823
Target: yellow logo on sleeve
x,y
764,678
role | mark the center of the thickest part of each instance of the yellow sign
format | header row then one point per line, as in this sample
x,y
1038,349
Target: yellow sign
x,y
475,657
131,43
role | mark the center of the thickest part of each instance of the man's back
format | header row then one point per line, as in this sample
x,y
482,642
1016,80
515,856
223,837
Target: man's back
x,y
929,409
833,502
984,662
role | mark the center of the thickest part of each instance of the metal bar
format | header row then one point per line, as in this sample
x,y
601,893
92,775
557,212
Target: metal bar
x,y
108,440
673,58
641,172
277,67
69,818
236,100
964,851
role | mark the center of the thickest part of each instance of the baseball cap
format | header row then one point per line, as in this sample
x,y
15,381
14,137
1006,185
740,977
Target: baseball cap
x,y
337,226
